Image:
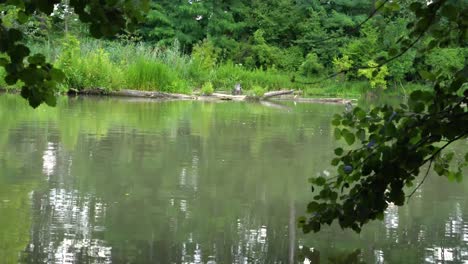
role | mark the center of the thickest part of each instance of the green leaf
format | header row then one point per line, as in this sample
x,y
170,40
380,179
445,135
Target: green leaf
x,y
335,161
312,207
37,59
11,79
349,138
338,151
50,99
57,75
337,133
336,122
18,52
320,181
361,134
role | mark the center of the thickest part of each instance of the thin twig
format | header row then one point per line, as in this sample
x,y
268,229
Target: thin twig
x,y
424,179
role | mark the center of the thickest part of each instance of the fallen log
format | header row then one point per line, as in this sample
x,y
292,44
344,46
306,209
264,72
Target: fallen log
x,y
135,93
228,97
150,94
276,93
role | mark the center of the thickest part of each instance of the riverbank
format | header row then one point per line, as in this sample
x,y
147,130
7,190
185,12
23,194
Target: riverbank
x,y
283,95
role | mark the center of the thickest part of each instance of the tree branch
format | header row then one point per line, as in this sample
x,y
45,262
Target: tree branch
x,y
423,180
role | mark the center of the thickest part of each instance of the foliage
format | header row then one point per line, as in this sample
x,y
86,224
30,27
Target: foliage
x,y
279,37
144,74
40,79
207,89
389,145
227,75
262,55
205,55
446,61
311,65
89,70
258,91
375,75
342,64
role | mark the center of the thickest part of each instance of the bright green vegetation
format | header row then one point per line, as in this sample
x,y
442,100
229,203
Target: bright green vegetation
x,y
282,44
137,180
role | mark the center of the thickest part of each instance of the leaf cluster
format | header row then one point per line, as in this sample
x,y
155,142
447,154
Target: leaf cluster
x,y
40,79
390,144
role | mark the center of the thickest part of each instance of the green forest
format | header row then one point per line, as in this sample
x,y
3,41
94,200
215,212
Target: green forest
x,y
323,48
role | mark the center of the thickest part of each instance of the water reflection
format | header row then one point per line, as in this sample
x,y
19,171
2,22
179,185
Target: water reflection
x,y
113,181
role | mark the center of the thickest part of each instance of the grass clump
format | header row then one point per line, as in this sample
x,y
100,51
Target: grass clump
x,y
144,74
258,91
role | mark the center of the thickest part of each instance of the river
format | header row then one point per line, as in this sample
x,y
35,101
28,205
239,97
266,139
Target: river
x,y
108,180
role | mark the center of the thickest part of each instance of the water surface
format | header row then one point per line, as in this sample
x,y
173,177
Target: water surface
x,y
106,180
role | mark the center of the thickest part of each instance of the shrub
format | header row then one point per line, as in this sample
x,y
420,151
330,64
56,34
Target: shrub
x,y
258,91
311,65
207,88
376,76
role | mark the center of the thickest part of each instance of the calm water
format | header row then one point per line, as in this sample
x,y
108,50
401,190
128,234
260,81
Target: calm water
x,y
122,181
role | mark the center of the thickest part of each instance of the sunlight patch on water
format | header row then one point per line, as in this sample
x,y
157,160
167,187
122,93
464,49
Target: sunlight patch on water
x,y
49,159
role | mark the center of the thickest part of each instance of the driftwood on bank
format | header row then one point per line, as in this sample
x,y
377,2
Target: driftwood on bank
x,y
229,97
214,97
225,97
276,93
135,93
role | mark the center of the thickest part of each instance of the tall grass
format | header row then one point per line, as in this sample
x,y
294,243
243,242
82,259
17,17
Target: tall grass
x,y
227,75
113,65
144,74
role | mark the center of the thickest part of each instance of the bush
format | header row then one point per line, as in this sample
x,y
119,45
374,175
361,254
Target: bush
x,y
207,89
376,76
258,91
311,66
